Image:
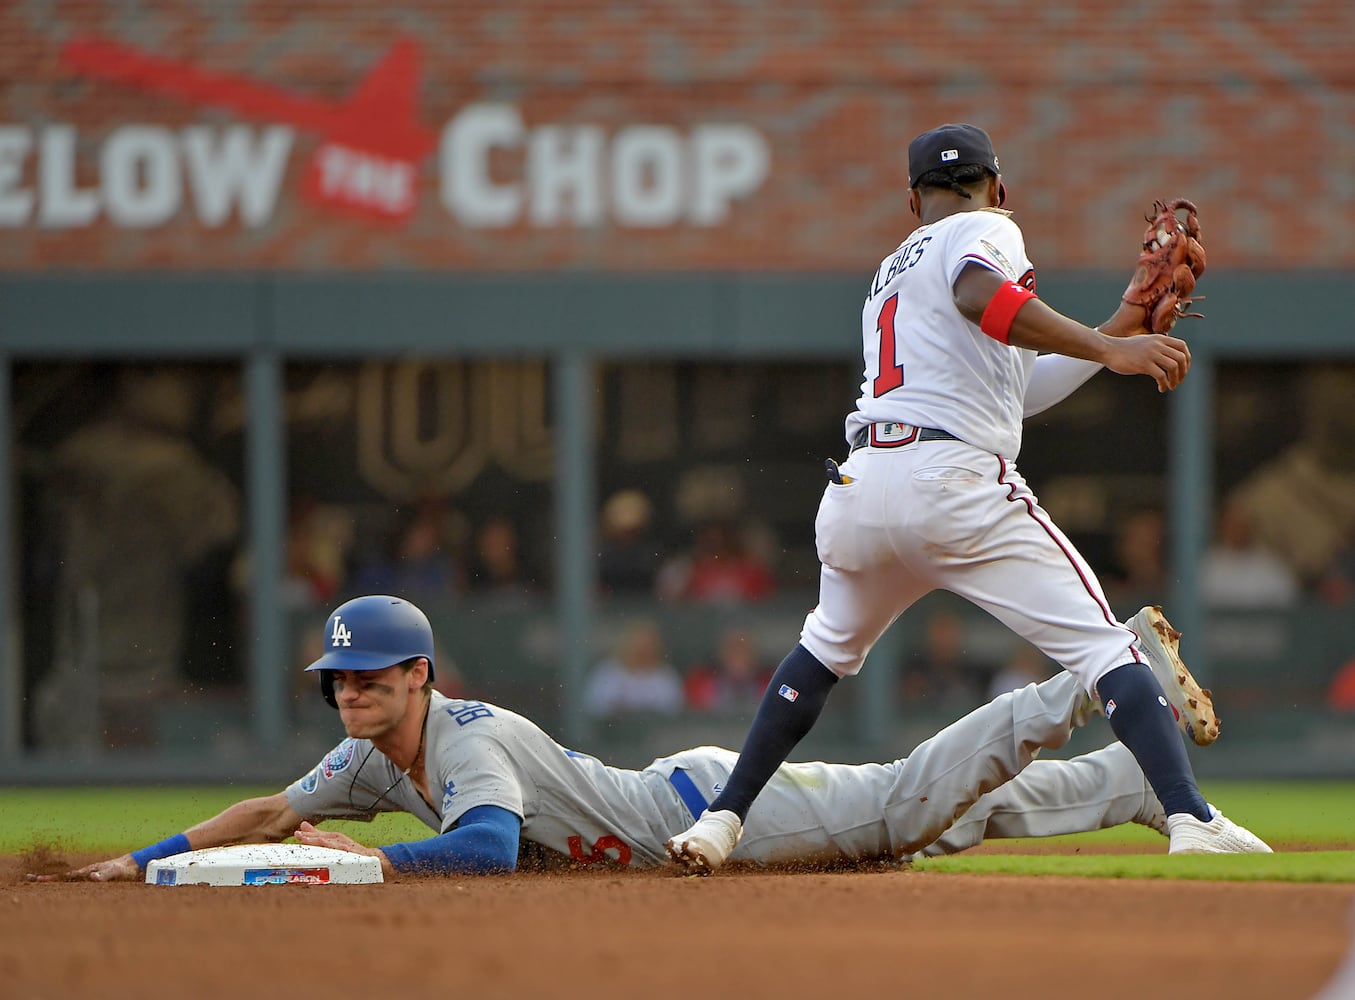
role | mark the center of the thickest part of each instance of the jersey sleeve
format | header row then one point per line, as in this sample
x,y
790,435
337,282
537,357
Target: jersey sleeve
x,y
1053,378
338,786
992,240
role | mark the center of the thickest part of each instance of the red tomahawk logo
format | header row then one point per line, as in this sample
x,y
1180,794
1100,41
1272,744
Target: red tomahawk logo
x,y
371,145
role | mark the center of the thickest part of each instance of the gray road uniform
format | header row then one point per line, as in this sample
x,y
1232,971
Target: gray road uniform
x,y
968,782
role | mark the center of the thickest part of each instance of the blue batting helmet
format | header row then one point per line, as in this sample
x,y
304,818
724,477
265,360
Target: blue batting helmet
x,y
372,633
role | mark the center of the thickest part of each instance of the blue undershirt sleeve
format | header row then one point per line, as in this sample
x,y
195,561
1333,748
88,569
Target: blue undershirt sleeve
x,y
484,840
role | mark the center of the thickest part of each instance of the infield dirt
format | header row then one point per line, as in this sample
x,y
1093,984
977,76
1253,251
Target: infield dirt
x,y
599,934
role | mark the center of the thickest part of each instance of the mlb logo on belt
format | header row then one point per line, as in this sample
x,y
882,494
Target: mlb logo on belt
x,y
889,434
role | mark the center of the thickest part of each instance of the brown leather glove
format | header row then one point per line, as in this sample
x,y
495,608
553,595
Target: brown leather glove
x,y
1172,259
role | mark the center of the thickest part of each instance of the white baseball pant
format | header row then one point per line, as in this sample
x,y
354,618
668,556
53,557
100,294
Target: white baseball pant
x,y
944,515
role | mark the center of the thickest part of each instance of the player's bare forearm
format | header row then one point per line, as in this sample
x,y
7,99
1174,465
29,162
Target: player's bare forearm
x,y
1162,358
1038,327
267,819
1126,321
251,821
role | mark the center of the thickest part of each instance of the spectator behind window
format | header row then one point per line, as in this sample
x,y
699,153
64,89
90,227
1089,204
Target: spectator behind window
x,y
496,567
1238,572
721,568
1303,501
1026,665
637,679
1140,573
422,562
1337,586
734,679
943,674
319,537
628,556
1341,693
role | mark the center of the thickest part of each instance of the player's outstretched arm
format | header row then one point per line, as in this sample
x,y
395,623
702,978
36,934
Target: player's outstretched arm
x,y
1127,320
266,819
1036,326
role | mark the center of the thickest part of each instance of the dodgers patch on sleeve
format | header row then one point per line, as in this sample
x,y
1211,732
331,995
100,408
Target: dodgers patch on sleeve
x,y
339,758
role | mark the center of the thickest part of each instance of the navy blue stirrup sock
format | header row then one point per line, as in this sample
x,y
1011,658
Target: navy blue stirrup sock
x,y
790,706
1142,720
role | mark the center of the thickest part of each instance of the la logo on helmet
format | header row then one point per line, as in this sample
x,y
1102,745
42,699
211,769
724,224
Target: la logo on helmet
x,y
340,636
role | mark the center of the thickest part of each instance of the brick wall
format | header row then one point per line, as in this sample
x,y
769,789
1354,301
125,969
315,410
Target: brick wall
x,y
1095,108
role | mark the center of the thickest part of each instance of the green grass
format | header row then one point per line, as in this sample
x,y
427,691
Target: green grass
x,y
1312,814
1308,866
1309,812
1316,816
117,820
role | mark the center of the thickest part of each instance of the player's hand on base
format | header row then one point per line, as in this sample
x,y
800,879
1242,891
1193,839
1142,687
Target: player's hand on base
x,y
308,834
1162,358
122,869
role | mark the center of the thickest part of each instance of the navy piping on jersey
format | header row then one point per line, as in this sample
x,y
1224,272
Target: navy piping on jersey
x,y
976,259
1053,536
687,791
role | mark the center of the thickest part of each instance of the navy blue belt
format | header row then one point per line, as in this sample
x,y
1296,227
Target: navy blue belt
x,y
866,436
687,791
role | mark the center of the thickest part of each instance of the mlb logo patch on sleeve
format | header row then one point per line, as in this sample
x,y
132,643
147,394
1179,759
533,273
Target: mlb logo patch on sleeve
x,y
788,692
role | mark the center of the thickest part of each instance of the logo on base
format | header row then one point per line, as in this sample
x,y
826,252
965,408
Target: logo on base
x,y
285,876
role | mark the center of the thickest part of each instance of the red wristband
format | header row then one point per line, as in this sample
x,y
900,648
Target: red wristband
x,y
1002,308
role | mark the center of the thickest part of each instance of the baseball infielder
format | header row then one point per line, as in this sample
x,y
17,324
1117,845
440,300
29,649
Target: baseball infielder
x,y
958,349
483,778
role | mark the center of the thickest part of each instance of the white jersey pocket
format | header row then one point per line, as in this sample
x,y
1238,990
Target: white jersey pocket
x,y
839,533
947,511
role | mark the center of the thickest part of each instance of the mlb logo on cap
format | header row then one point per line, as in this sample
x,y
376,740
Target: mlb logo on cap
x,y
950,144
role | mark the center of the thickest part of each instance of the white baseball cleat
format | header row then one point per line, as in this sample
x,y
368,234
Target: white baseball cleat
x,y
1192,705
705,845
1219,836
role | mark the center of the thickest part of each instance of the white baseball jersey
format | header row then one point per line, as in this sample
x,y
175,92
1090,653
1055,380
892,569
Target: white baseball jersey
x,y
925,364
912,513
480,754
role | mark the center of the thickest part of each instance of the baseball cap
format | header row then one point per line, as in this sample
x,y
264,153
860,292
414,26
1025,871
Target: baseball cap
x,y
950,146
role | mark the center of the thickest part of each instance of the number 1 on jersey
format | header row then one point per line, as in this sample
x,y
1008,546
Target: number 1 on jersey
x,y
891,372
